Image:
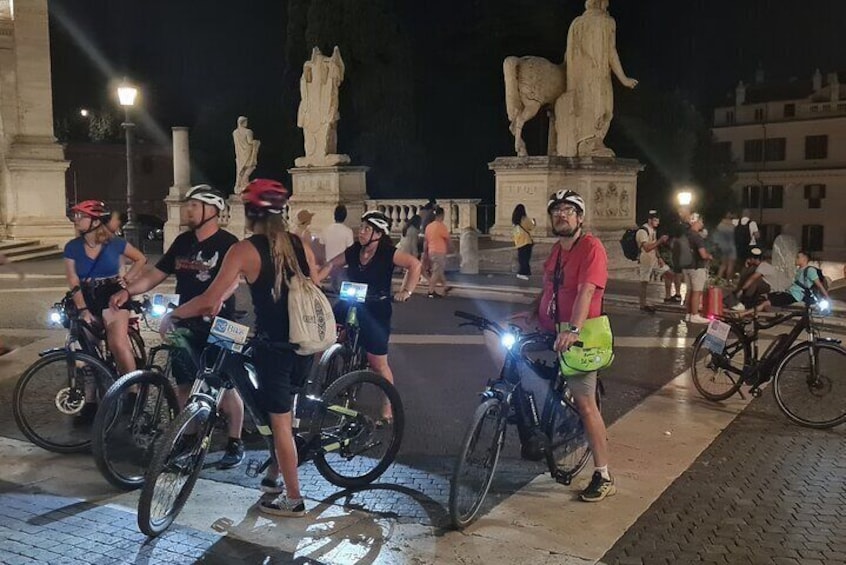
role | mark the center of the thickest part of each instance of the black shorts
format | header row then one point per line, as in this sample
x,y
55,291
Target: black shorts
x,y
374,322
279,372
781,299
98,293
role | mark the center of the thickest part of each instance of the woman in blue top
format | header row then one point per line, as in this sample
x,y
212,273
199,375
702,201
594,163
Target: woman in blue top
x,y
92,263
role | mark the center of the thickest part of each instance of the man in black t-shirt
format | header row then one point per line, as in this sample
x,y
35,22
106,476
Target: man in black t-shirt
x,y
195,257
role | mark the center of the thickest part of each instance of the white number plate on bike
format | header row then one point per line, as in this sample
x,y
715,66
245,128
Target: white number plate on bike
x,y
716,336
229,335
353,291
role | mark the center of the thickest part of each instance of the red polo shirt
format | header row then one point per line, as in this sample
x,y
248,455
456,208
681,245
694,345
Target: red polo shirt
x,y
586,262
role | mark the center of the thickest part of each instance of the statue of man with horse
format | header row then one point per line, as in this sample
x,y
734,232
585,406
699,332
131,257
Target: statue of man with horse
x,y
579,90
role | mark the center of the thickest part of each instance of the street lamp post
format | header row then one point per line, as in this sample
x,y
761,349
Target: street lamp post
x,y
126,95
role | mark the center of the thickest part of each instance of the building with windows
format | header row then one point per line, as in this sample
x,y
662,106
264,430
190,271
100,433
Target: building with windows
x,y
788,142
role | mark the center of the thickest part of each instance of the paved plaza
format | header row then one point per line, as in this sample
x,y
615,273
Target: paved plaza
x,y
733,482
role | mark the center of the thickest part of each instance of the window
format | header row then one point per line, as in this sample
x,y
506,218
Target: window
x,y
751,196
773,196
814,194
768,234
722,151
816,147
774,149
812,238
753,150
789,110
729,116
759,114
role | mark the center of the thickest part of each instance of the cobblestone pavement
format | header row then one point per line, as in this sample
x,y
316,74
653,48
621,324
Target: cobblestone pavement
x,y
766,491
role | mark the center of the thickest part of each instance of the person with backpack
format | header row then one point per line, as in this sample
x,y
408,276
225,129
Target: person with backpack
x,y
647,242
691,255
808,282
746,236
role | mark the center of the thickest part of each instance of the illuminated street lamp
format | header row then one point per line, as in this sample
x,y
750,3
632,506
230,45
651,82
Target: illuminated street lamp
x,y
684,197
127,94
84,112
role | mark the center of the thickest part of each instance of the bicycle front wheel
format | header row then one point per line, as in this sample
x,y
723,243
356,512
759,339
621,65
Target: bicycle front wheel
x,y
718,376
177,462
360,426
49,398
133,414
810,385
333,364
568,440
475,468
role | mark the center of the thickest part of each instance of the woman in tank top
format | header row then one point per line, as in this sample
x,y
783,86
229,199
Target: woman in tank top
x,y
267,260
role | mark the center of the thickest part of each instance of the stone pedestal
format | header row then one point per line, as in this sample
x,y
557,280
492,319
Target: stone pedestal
x,y
233,219
608,185
469,250
320,189
181,184
33,203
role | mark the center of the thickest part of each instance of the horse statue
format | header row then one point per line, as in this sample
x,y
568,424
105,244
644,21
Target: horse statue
x,y
531,83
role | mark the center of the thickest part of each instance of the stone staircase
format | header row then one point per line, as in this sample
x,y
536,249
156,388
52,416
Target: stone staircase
x,y
18,250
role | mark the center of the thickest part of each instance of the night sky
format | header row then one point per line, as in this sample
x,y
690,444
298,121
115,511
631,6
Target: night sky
x,y
202,64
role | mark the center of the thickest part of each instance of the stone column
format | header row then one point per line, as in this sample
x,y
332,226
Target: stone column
x,y
181,184
32,168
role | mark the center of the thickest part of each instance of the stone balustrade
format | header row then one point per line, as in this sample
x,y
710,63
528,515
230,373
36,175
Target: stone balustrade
x,y
458,213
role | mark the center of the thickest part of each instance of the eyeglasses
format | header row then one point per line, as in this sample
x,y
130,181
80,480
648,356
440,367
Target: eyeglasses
x,y
566,212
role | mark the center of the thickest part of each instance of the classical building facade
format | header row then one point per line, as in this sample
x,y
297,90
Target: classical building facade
x,y
788,142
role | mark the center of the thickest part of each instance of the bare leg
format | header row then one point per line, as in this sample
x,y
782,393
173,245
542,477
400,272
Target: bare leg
x,y
597,435
379,364
117,336
694,301
233,406
286,453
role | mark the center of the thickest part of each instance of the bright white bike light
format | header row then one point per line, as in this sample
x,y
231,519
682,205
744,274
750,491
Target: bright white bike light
x,y
159,310
55,317
508,340
824,304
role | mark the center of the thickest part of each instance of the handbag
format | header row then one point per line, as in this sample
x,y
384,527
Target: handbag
x,y
310,318
596,349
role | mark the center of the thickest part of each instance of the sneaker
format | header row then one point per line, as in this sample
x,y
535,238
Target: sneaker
x,y
435,295
523,277
670,300
86,415
696,319
677,298
739,307
233,456
272,486
283,506
598,488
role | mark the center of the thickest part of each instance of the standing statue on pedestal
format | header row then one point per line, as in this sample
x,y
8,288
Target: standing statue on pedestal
x,y
246,154
318,112
583,113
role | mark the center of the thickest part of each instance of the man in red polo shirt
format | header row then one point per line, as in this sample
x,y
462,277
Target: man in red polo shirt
x,y
584,275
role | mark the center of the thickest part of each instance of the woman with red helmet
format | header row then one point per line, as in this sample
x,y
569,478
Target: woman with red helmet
x,y
267,260
92,264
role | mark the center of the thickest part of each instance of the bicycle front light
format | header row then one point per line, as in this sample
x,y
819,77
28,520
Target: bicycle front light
x,y
159,310
508,340
54,317
824,305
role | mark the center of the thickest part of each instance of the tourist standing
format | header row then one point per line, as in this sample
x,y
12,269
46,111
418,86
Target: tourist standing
x,y
435,248
523,241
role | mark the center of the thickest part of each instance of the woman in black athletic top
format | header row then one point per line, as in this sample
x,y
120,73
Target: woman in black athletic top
x,y
267,260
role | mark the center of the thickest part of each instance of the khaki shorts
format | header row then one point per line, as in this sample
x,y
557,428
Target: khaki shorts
x,y
583,385
695,279
438,261
648,271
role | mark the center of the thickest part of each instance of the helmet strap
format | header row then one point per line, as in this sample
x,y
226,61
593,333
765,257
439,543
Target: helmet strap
x,y
205,220
91,226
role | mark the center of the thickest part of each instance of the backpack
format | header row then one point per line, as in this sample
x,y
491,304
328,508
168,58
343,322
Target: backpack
x,y
628,242
823,280
742,237
310,317
682,253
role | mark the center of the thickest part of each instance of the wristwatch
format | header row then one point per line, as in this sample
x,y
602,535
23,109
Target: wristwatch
x,y
573,329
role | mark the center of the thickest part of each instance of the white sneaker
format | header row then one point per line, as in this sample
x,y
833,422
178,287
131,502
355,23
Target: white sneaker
x,y
696,319
523,277
739,307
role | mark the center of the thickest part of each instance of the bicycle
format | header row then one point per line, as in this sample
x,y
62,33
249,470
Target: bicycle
x,y
721,371
552,432
347,355
67,378
340,430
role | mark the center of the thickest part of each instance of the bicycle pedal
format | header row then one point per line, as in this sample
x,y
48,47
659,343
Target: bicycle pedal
x,y
253,468
563,478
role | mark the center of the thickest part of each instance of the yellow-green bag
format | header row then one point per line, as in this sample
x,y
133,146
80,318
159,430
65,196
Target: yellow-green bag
x,y
596,352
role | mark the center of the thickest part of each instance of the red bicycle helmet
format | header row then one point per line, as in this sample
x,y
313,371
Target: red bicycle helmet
x,y
265,196
94,209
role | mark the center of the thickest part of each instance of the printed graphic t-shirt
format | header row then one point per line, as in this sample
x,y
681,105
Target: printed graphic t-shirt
x,y
196,264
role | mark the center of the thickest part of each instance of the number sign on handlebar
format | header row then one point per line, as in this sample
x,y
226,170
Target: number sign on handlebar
x,y
228,335
353,292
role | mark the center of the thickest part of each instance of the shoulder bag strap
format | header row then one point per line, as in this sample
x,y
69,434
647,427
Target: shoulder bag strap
x,y
96,259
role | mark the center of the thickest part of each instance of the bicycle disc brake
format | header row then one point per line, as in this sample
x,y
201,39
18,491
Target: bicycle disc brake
x,y
69,401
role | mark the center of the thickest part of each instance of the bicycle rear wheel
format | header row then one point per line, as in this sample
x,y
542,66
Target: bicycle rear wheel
x,y
810,385
49,398
177,462
357,442
568,441
133,414
475,468
718,376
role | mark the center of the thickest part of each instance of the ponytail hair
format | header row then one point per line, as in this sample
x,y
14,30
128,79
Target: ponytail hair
x,y
281,252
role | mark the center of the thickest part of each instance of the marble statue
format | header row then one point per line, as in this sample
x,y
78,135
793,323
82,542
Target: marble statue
x,y
583,113
246,154
318,112
531,83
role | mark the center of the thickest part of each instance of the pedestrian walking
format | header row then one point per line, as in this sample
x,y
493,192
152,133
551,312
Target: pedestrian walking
x,y
523,241
410,241
723,238
436,245
336,238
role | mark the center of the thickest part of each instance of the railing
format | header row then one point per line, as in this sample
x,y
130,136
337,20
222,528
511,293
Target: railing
x,y
458,213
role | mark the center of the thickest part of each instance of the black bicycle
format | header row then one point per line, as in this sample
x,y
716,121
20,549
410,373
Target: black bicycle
x,y
342,430
550,430
347,355
51,393
804,374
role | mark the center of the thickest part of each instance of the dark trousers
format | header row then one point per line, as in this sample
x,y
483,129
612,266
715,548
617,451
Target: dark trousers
x,y
524,258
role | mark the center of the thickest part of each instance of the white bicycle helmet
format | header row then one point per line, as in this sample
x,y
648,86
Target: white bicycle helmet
x,y
568,196
207,195
378,220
